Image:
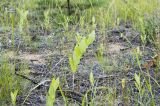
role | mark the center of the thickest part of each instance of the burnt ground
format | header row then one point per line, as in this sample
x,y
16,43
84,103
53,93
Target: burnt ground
x,y
49,59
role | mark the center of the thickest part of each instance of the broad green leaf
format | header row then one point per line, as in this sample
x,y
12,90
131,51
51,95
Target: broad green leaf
x,y
76,60
77,52
83,45
91,38
80,49
93,20
76,55
54,85
72,65
52,92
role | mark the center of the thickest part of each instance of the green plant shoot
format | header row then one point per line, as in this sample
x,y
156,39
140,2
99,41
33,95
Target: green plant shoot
x,y
13,97
52,92
80,49
99,53
137,78
47,19
23,18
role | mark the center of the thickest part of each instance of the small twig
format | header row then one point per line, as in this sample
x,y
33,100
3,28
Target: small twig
x,y
58,62
25,77
106,76
72,94
55,65
39,84
126,48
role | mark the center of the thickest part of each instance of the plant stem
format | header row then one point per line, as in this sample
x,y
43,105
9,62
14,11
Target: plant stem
x,y
12,36
73,82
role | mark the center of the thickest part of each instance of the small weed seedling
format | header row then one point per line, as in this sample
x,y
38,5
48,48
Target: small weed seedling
x,y
85,98
125,98
79,50
139,86
99,53
138,55
23,18
47,19
13,97
142,29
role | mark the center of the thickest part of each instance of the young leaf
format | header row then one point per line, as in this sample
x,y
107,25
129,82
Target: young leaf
x,y
83,45
78,38
77,52
72,65
93,20
52,92
91,38
137,78
80,49
13,97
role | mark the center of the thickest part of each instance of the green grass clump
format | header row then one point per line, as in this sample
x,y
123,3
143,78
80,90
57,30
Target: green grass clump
x,y
8,80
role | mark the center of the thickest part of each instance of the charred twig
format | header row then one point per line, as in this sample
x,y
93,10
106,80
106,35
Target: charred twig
x,y
107,76
23,76
72,95
27,78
